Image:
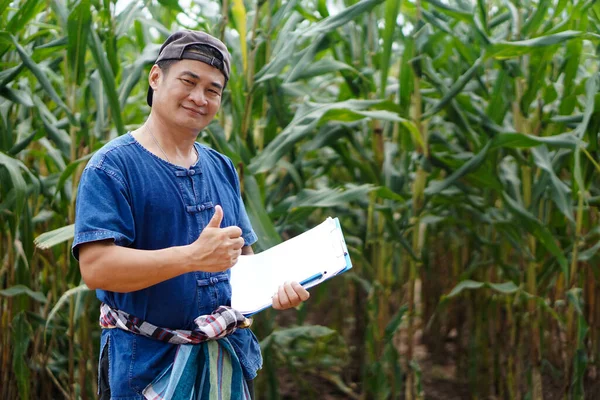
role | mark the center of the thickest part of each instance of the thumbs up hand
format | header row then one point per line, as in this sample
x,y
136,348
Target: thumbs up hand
x,y
216,249
217,218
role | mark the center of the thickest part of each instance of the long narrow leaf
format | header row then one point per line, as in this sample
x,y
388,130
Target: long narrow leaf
x,y
469,166
505,50
79,23
54,237
391,14
537,229
42,79
108,80
63,299
22,289
330,23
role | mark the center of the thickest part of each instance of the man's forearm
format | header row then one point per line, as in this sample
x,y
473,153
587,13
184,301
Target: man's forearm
x,y
120,269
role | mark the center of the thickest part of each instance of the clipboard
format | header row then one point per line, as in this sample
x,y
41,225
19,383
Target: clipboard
x,y
310,258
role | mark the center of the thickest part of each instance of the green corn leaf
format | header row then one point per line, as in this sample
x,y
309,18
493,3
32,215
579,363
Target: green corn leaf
x,y
261,222
7,76
22,332
309,116
172,4
322,67
535,20
126,19
68,171
42,79
24,14
238,11
454,89
108,80
56,44
454,12
3,5
22,289
79,24
16,180
537,229
463,285
503,288
394,323
22,144
54,237
560,191
505,50
473,164
346,15
306,59
591,89
16,96
521,140
575,298
437,22
63,299
391,14
132,75
284,51
327,197
589,254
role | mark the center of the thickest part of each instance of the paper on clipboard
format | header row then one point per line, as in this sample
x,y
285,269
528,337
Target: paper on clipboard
x,y
309,258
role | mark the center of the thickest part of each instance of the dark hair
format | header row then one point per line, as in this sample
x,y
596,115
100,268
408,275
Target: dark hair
x,y
165,65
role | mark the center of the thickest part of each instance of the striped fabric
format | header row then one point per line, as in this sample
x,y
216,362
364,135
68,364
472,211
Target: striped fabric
x,y
205,366
208,371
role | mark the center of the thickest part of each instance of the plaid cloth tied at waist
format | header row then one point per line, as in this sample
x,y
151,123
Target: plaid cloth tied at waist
x,y
222,322
208,371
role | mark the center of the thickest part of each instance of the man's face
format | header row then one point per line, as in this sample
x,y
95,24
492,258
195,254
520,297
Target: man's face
x,y
189,95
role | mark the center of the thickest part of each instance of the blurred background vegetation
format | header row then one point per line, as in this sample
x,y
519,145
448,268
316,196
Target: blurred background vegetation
x,y
457,141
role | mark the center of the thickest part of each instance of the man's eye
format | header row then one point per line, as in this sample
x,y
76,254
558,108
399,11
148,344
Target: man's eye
x,y
187,81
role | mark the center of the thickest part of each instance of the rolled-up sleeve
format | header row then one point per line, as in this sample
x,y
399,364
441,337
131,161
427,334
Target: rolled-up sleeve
x,y
103,209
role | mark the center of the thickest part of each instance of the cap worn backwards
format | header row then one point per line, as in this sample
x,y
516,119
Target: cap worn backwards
x,y
188,45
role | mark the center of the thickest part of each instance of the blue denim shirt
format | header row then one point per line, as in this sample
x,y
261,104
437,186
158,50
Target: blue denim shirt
x,y
137,199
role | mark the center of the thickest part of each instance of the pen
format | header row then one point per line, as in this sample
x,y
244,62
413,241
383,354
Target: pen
x,y
312,279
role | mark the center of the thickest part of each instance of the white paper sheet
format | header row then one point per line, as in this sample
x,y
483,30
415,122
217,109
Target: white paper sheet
x,y
255,278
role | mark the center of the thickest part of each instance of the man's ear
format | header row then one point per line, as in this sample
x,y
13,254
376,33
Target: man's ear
x,y
154,76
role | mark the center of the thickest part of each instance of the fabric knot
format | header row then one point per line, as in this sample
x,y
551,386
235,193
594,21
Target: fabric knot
x,y
199,207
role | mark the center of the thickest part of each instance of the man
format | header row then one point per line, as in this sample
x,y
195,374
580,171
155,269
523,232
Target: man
x,y
160,220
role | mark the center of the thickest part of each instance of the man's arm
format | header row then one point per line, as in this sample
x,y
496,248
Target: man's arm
x,y
107,266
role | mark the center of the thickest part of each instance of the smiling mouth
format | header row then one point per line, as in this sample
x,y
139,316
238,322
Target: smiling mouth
x,y
197,112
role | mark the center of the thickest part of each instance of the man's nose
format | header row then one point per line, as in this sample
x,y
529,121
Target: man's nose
x,y
198,97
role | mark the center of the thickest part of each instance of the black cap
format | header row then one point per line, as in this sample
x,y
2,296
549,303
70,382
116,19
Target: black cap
x,y
181,45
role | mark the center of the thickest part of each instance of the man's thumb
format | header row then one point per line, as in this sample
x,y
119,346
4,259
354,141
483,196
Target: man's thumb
x,y
215,221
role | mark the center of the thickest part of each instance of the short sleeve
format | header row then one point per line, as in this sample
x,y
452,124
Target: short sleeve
x,y
248,233
103,209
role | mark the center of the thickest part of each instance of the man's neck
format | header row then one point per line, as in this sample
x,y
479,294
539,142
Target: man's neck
x,y
167,142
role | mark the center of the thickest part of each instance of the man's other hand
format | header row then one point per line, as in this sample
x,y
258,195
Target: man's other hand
x,y
289,295
216,249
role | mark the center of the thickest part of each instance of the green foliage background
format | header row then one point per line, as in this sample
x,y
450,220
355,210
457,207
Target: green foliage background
x,y
457,141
